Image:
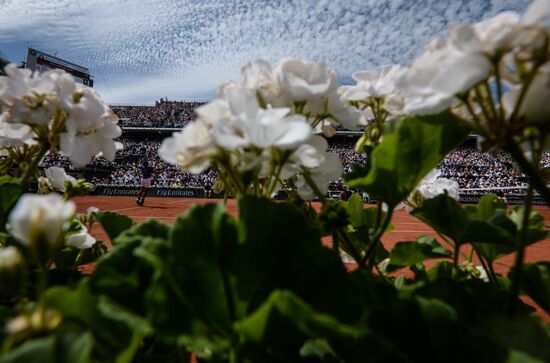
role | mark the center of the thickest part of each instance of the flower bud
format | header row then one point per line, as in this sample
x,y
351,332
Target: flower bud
x,y
11,271
44,185
39,221
333,216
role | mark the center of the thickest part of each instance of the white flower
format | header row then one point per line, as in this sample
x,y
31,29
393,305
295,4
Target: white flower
x,y
535,106
258,75
215,112
482,273
191,148
92,210
30,98
439,186
57,177
10,257
430,187
87,113
346,258
330,170
383,265
312,153
81,240
14,134
537,12
80,148
262,128
40,218
309,155
488,36
302,80
377,83
337,111
431,83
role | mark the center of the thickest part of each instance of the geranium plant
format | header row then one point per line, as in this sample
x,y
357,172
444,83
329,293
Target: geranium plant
x,y
262,287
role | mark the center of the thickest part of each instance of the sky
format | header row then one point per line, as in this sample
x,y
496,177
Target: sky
x,y
140,50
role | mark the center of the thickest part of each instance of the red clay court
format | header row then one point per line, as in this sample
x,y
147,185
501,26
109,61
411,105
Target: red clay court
x,y
405,226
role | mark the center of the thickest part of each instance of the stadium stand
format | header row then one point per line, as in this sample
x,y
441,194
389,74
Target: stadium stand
x,y
475,172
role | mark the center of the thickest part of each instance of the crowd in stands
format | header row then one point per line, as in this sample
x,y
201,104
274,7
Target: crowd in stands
x,y
468,166
163,114
473,169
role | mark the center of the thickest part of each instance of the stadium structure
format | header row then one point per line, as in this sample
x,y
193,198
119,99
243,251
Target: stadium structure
x,y
37,60
144,128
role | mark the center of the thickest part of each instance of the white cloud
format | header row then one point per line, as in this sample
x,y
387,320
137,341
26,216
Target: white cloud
x,y
142,50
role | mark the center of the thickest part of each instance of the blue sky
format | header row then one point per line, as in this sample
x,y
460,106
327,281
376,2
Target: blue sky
x,y
140,51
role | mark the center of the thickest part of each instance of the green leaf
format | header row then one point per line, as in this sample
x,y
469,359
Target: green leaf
x,y
33,351
488,205
113,223
526,334
445,215
114,340
512,223
10,191
318,348
424,248
536,283
218,270
75,348
405,156
124,274
356,210
272,257
284,318
66,347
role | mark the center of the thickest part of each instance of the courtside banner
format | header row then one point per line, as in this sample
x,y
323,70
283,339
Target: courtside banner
x,y
152,192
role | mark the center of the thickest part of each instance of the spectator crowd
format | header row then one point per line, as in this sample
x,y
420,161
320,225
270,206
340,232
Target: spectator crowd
x,y
471,168
163,114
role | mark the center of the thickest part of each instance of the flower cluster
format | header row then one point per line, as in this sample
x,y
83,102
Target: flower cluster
x,y
53,112
261,132
57,180
46,223
494,74
431,186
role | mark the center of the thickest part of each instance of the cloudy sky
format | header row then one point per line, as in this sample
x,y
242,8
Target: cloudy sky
x,y
141,50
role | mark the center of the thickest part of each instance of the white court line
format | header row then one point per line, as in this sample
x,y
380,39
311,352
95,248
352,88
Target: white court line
x,y
118,210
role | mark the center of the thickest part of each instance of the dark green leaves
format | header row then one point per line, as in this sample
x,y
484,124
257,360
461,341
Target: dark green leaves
x,y
114,340
220,271
536,283
445,215
122,274
410,253
62,348
405,156
284,315
113,223
10,191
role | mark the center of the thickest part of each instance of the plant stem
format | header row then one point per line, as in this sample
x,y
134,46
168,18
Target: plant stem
x,y
376,239
518,266
524,89
32,167
483,106
485,264
335,242
456,253
348,246
41,289
480,127
499,93
313,186
491,99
